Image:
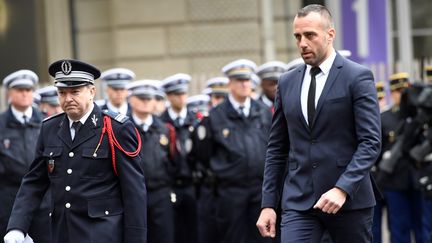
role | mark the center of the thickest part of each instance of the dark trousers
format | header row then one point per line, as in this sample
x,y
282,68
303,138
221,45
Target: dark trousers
x,y
207,224
427,218
353,226
185,214
405,210
160,215
237,210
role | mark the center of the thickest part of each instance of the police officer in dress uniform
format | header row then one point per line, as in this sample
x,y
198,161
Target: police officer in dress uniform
x,y
156,160
217,90
49,104
269,73
403,200
184,197
98,194
116,80
19,126
231,142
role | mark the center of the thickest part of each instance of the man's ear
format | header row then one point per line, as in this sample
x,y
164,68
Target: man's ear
x,y
331,33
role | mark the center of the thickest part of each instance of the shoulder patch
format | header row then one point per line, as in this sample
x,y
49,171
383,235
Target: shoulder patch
x,y
53,116
116,116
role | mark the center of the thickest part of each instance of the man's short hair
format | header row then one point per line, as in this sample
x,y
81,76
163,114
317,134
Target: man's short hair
x,y
317,8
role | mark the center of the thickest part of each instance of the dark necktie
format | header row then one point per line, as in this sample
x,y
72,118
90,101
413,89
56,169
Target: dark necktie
x,y
76,126
241,111
311,95
25,120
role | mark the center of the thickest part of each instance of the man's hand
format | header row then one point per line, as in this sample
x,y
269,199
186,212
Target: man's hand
x,y
14,236
331,201
267,222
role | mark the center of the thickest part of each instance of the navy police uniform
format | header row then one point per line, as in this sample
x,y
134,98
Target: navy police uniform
x,y
90,202
232,146
184,197
403,199
158,166
17,149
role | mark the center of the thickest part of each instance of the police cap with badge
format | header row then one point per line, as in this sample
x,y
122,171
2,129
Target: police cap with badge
x,y
241,69
145,89
117,78
380,89
271,70
21,79
217,86
70,73
177,83
399,81
428,70
48,95
198,103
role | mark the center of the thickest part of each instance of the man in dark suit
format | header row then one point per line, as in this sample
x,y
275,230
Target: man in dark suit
x,y
94,198
324,139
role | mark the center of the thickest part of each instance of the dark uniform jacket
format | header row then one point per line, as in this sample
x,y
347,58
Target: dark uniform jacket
x,y
90,202
232,146
183,145
156,157
17,151
402,176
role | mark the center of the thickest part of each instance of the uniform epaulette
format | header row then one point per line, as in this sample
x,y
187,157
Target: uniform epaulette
x,y
116,116
51,117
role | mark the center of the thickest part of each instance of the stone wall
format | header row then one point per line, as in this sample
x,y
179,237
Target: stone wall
x,y
159,38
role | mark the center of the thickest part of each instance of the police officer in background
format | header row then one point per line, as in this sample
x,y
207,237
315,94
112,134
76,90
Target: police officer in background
x,y
49,104
98,195
269,73
116,80
184,197
403,200
217,90
156,160
19,126
231,142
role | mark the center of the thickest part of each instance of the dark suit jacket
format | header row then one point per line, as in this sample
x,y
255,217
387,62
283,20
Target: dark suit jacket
x,y
338,151
90,203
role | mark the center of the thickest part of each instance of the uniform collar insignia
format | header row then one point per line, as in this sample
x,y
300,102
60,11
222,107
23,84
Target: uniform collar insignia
x,y
94,120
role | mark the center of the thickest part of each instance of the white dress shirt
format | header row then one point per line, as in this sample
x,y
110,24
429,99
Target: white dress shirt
x,y
145,124
236,105
320,78
20,115
182,115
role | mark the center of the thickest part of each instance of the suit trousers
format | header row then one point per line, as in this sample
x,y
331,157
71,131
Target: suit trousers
x,y
354,226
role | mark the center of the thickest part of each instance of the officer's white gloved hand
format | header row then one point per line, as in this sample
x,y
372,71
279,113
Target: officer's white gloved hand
x,y
14,236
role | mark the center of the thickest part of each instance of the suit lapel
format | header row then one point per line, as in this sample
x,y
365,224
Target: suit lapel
x,y
334,72
88,130
298,87
64,131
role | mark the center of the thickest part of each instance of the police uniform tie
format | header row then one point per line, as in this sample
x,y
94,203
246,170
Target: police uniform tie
x,y
24,120
311,95
76,126
241,111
